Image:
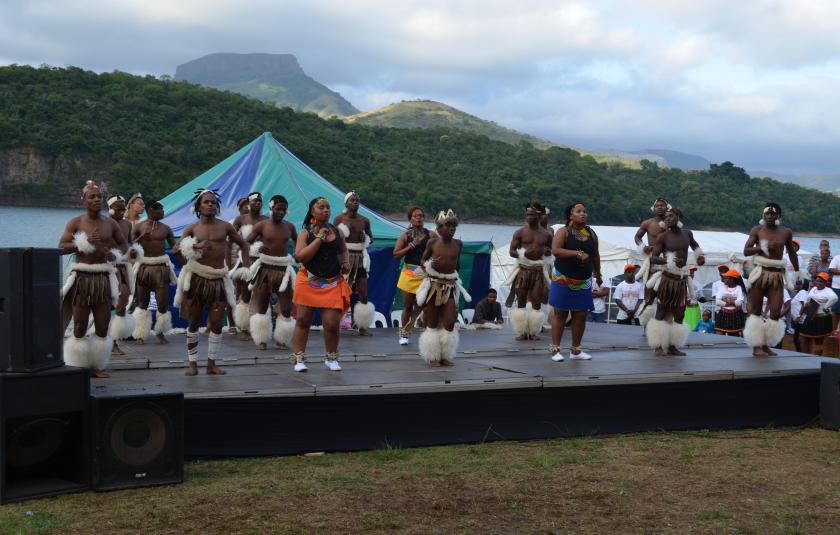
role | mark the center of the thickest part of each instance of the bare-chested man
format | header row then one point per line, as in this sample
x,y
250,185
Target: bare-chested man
x,y
155,273
529,281
767,244
651,227
439,292
544,220
122,325
203,283
357,235
91,286
135,208
673,285
244,224
273,273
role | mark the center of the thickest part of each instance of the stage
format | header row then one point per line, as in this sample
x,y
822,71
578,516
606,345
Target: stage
x,y
499,389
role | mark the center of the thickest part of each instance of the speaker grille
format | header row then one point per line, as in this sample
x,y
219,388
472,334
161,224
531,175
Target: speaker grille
x,y
138,435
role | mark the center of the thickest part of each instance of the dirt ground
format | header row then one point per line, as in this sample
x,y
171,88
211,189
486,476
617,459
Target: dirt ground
x,y
757,481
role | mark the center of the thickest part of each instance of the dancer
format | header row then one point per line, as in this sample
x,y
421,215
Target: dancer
x,y
529,280
91,286
439,293
576,262
203,283
244,224
672,286
320,283
122,325
815,314
233,258
544,219
355,229
272,273
767,243
729,299
155,273
652,227
134,208
410,248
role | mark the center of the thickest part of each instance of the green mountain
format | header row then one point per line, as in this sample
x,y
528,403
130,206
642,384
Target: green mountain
x,y
273,78
431,114
59,127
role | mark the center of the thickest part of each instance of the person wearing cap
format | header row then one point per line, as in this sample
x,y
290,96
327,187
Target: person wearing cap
x,y
672,286
91,287
815,315
529,280
628,296
355,228
767,244
244,224
692,311
135,208
729,319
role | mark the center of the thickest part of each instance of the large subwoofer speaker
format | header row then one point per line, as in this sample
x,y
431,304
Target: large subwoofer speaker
x,y
138,440
830,395
30,309
44,433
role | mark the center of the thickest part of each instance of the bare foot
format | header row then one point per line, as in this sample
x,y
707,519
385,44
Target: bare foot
x,y
534,337
365,332
244,336
434,364
672,350
659,352
281,346
261,347
212,369
770,352
98,374
192,370
162,339
115,350
758,352
446,362
522,337
139,341
232,330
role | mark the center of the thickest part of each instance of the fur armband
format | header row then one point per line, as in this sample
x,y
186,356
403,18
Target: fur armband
x,y
139,253
80,240
254,250
344,229
119,257
188,248
698,253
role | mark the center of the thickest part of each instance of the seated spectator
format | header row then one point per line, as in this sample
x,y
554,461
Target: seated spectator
x,y
488,310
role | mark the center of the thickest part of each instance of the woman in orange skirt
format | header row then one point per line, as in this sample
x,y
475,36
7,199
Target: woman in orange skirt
x,y
409,248
320,283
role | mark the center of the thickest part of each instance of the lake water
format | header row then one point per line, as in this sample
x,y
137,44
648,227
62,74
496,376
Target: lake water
x,y
41,227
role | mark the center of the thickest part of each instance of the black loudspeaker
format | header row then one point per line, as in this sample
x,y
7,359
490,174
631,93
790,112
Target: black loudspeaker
x,y
30,310
830,395
138,440
44,433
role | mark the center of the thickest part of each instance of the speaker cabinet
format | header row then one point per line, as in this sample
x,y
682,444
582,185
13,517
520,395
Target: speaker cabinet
x,y
138,440
45,433
830,395
30,309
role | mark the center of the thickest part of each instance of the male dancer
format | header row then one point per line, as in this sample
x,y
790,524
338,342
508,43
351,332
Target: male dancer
x,y
653,227
439,292
357,235
529,281
154,274
273,273
244,224
122,325
203,283
767,244
134,207
672,285
544,220
91,285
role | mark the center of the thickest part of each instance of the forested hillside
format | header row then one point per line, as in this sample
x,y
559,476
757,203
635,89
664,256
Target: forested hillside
x,y
140,133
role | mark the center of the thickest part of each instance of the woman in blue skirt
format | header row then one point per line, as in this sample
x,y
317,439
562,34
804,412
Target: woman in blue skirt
x,y
576,262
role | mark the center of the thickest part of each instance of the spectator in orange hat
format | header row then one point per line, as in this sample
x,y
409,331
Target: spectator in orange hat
x,y
730,317
628,296
816,314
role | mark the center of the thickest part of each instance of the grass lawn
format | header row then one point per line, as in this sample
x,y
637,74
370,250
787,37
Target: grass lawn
x,y
757,481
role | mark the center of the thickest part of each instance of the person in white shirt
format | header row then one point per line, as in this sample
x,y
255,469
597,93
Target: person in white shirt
x,y
598,314
796,308
730,319
717,285
817,314
834,269
628,296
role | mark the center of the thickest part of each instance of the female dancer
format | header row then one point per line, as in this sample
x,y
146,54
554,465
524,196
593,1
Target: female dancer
x,y
817,325
409,248
730,318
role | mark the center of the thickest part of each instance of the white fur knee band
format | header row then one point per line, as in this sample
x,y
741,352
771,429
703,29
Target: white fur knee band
x,y
284,330
260,328
754,331
363,314
163,323
658,334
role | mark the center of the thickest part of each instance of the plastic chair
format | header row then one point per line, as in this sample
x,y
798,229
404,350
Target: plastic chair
x,y
396,318
379,318
469,314
461,319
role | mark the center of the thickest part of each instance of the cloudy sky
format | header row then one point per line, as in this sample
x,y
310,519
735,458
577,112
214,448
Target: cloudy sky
x,y
754,82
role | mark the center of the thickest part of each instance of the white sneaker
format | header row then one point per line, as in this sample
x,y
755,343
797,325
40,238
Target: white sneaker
x,y
403,341
300,367
580,356
332,365
557,357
